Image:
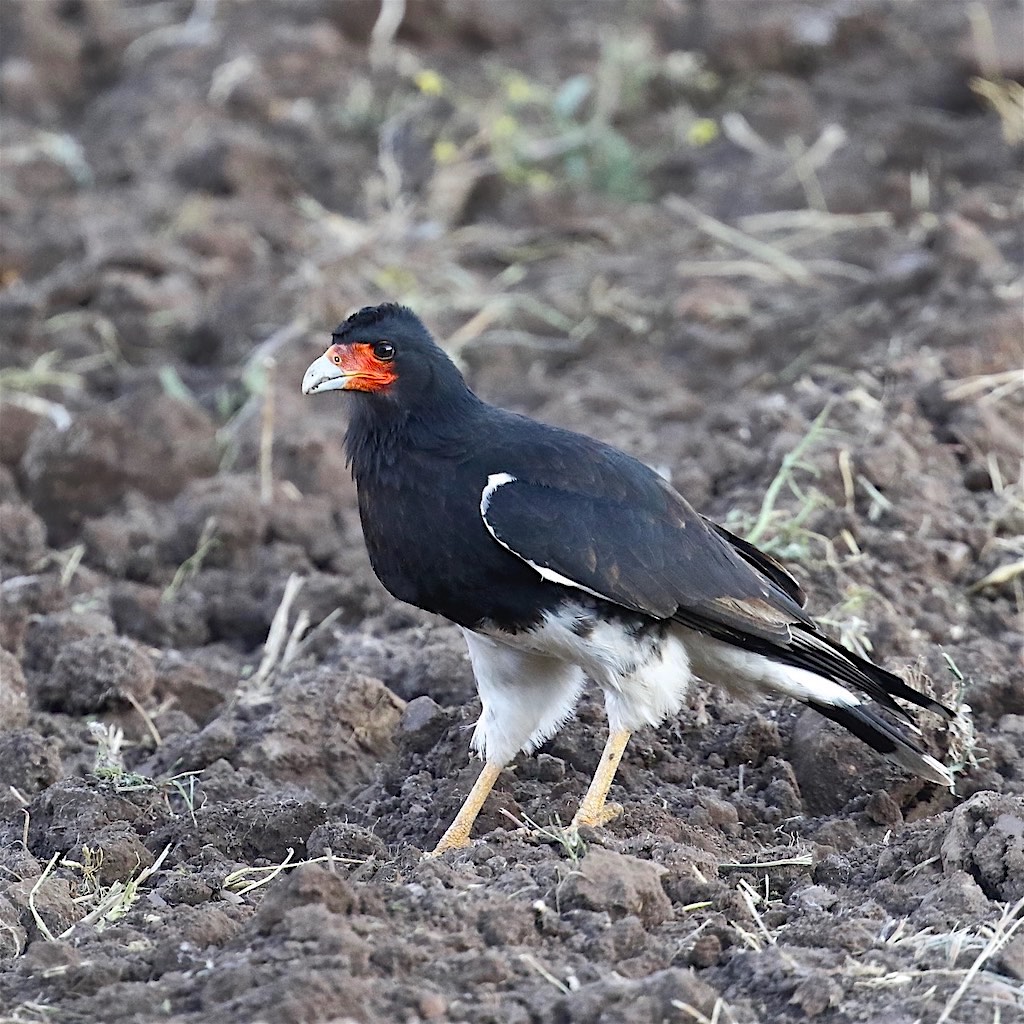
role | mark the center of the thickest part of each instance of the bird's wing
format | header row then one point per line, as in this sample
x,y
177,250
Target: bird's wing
x,y
622,534
771,567
639,545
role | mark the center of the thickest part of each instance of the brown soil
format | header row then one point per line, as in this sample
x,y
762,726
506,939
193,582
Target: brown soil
x,y
192,197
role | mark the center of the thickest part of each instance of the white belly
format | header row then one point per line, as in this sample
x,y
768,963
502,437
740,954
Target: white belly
x,y
642,666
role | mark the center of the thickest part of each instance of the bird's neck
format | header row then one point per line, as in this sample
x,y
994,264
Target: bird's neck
x,y
382,435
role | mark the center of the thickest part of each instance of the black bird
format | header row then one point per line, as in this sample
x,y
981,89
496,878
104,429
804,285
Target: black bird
x,y
563,558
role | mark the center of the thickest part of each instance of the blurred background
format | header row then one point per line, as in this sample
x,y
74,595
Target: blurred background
x,y
689,190
680,225
772,248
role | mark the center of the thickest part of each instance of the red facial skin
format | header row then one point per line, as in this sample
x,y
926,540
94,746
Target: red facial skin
x,y
366,372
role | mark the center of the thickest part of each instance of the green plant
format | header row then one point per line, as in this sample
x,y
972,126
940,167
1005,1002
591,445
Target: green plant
x,y
783,533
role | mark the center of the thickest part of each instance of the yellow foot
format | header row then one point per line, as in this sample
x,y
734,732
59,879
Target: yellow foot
x,y
593,810
457,836
596,818
448,843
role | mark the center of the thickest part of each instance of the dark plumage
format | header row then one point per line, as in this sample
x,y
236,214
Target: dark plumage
x,y
556,552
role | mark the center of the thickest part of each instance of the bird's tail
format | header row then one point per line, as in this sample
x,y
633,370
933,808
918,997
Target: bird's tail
x,y
837,683
843,667
888,740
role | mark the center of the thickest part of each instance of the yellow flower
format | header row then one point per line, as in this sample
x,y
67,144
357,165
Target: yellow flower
x,y
702,131
504,127
518,89
430,83
445,151
541,181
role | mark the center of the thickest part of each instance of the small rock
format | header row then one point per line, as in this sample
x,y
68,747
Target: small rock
x,y
817,993
119,852
815,897
185,890
652,998
53,901
311,522
12,936
56,956
192,687
831,766
833,870
307,884
326,731
720,812
620,885
757,739
92,674
22,597
28,762
13,692
22,537
127,541
153,443
344,839
706,951
423,724
511,925
231,507
47,635
143,613
986,840
432,1006
543,768
883,810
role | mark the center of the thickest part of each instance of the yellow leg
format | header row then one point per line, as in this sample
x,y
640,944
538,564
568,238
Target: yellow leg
x,y
593,810
457,835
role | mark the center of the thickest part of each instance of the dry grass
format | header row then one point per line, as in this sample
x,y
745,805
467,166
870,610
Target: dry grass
x,y
777,531
565,837
190,567
248,879
107,905
282,643
720,1013
1001,992
1002,95
109,766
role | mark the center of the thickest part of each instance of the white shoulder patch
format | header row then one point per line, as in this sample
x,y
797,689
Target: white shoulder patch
x,y
496,480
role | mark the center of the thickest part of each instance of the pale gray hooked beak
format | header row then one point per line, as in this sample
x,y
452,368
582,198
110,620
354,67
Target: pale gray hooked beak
x,y
324,375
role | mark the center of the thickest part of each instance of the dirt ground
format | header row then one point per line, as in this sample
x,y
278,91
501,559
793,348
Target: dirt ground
x,y
686,228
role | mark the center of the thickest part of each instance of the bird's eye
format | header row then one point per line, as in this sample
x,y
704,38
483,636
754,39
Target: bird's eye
x,y
336,358
384,351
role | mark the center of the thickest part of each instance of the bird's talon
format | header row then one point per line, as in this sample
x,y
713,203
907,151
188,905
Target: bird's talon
x,y
445,845
598,818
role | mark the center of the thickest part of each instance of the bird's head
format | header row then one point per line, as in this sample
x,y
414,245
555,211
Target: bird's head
x,y
385,352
